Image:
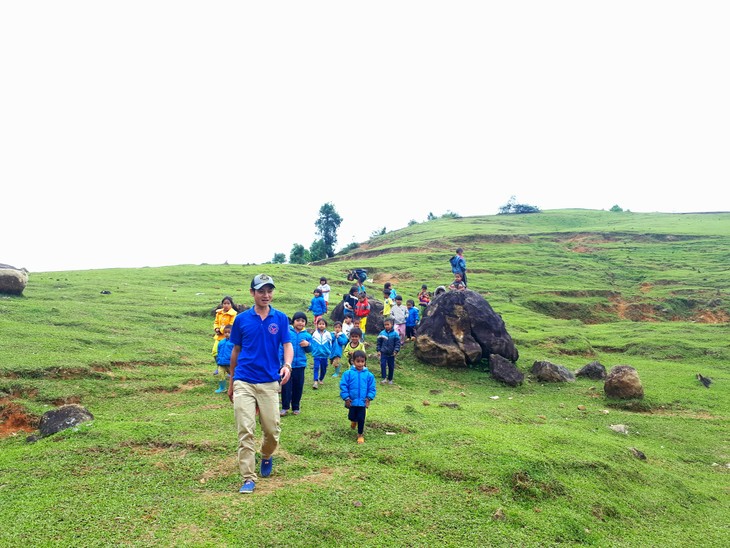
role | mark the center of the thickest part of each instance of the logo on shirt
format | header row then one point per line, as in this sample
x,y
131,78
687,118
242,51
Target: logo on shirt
x,y
273,329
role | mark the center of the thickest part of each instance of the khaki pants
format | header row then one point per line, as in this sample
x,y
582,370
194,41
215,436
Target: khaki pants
x,y
245,398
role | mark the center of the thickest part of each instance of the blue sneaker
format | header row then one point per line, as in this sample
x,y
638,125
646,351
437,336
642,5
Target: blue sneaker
x,y
266,466
247,487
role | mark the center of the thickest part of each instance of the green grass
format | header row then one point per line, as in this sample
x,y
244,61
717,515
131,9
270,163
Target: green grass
x,y
157,465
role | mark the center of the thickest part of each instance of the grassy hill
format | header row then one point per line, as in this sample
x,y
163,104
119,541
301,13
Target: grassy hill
x,y
535,465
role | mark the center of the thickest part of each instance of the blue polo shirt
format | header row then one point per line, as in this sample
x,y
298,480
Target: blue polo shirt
x,y
258,361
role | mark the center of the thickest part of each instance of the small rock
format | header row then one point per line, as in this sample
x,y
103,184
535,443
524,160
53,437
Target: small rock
x,y
605,411
581,408
493,397
561,405
426,402
498,515
357,504
638,454
620,428
462,394
450,405
543,417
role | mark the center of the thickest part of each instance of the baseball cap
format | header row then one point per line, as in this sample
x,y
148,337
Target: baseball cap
x,y
261,280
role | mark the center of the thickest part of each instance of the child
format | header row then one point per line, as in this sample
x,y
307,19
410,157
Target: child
x,y
325,289
347,326
291,392
317,307
321,350
424,297
388,303
362,310
223,316
223,358
358,275
388,348
357,389
387,286
400,314
457,284
349,301
352,346
339,340
411,320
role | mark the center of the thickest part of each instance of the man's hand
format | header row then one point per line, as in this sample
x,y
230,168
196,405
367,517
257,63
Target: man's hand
x,y
285,374
367,403
230,390
348,403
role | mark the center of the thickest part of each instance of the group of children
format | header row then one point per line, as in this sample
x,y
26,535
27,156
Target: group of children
x,y
345,343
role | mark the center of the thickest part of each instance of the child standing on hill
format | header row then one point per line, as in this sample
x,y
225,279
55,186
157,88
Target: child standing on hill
x,y
411,320
357,389
223,316
317,307
347,326
291,392
424,298
349,302
388,303
339,340
223,358
321,350
388,347
352,346
400,314
362,310
324,287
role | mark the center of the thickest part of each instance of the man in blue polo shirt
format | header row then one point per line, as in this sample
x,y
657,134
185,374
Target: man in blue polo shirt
x,y
256,374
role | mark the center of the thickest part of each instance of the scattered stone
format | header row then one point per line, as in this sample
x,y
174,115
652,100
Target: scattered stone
x,y
605,411
357,504
498,515
106,292
462,394
620,428
581,408
493,397
66,416
426,402
550,372
593,370
450,405
623,383
505,371
638,454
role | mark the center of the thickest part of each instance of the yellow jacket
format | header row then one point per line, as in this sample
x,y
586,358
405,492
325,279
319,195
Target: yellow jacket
x,y
222,319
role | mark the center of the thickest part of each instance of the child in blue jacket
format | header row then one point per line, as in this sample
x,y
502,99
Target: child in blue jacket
x,y
291,392
321,350
318,306
411,320
388,346
223,357
357,389
339,340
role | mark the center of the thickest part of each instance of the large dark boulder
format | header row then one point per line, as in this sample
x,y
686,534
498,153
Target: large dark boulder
x,y
623,383
12,280
460,328
593,370
375,318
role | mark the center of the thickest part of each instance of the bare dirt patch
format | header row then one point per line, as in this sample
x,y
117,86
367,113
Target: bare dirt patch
x,y
14,419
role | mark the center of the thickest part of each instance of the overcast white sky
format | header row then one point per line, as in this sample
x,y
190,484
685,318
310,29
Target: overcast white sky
x,y
147,133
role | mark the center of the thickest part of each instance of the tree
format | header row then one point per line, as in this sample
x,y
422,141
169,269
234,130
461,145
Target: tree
x,y
327,224
616,209
513,208
279,258
376,233
318,250
430,216
299,254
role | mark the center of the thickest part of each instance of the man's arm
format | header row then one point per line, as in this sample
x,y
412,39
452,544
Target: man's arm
x,y
285,371
234,360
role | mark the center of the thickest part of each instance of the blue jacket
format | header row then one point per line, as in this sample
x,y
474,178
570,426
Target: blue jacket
x,y
458,264
225,347
321,344
412,319
300,354
318,306
388,342
338,343
357,385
